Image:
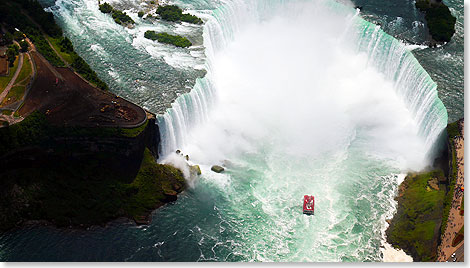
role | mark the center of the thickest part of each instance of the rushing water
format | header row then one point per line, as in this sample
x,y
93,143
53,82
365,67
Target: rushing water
x,y
300,97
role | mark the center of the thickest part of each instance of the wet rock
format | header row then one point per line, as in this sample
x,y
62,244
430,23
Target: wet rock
x,y
142,220
217,169
434,184
170,195
195,170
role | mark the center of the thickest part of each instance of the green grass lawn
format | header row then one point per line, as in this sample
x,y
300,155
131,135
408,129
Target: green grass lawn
x,y
15,94
25,72
19,88
4,80
55,43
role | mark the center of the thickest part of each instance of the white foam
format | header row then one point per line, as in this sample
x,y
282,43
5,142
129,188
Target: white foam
x,y
394,255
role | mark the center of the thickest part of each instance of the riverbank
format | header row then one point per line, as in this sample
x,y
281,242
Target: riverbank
x,y
81,156
449,243
429,206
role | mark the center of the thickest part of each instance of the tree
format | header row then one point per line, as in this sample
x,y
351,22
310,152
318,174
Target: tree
x,y
140,14
18,36
24,46
8,38
11,55
12,51
66,45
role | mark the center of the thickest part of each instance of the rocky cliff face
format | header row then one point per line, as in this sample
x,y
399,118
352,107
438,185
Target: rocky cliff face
x,y
75,176
116,151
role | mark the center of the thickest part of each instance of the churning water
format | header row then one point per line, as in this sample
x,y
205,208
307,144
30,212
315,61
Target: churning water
x,y
300,97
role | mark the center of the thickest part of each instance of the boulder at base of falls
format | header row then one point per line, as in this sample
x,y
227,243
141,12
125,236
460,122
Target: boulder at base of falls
x,y
217,169
195,170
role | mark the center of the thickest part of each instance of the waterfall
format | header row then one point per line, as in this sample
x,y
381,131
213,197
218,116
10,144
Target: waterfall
x,y
388,55
411,82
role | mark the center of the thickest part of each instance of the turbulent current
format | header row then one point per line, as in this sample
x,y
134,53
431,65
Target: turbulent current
x,y
298,97
303,98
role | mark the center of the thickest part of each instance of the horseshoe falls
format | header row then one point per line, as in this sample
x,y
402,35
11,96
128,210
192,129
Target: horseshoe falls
x,y
300,97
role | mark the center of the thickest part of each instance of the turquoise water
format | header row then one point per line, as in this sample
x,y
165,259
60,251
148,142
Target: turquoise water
x,y
273,105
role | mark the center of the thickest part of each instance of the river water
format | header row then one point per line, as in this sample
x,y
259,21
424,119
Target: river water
x,y
293,98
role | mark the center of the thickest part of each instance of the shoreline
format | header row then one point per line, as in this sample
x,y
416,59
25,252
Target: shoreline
x,y
456,220
423,201
389,253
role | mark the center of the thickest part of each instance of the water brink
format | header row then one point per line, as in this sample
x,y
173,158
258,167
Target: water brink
x,y
411,82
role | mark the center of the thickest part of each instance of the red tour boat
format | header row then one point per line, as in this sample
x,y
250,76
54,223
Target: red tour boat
x,y
309,204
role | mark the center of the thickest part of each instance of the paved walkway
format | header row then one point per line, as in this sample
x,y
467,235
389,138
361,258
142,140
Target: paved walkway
x,y
13,79
455,221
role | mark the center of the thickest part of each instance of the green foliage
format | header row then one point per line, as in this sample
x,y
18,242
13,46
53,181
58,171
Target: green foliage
x,y
18,36
41,131
148,189
452,131
140,14
14,48
43,47
32,130
420,209
191,19
4,80
121,17
86,191
66,45
43,18
175,14
7,38
85,70
168,39
440,21
24,46
12,52
118,16
106,8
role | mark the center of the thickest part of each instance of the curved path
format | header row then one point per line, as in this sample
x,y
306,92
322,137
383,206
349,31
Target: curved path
x,y
13,79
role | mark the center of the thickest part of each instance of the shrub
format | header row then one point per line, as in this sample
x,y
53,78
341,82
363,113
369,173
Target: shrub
x,y
175,14
118,16
140,14
24,46
121,17
18,36
85,70
106,8
12,52
66,45
168,39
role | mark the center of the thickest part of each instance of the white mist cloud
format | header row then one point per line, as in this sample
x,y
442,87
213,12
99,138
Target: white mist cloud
x,y
293,80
